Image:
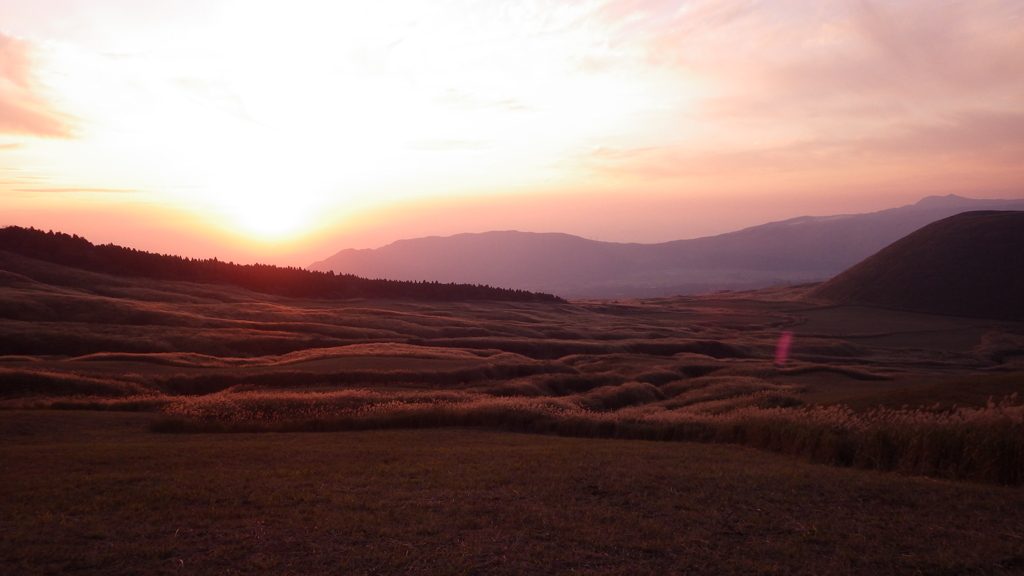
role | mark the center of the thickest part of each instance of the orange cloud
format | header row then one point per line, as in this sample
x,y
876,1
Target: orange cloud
x,y
24,109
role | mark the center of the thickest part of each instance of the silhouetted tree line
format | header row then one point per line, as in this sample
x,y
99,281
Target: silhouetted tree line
x,y
77,252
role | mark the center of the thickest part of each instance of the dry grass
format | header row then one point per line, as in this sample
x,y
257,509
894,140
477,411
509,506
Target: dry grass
x,y
982,444
945,393
88,493
21,382
93,492
690,368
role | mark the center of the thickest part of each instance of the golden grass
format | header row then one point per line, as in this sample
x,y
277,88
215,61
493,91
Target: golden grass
x,y
982,444
22,382
376,349
689,368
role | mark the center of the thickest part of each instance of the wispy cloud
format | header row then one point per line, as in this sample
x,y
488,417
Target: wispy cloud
x,y
24,107
786,85
467,101
446,145
78,190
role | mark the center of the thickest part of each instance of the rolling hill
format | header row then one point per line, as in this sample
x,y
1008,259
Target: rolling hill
x,y
76,252
971,264
796,250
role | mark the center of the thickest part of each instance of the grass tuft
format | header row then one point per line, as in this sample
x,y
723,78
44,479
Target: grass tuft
x,y
984,444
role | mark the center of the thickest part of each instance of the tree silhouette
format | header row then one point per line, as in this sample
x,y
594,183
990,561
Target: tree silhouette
x,y
77,252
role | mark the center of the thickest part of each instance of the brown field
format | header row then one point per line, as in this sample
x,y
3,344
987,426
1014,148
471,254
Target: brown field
x,y
412,458
97,494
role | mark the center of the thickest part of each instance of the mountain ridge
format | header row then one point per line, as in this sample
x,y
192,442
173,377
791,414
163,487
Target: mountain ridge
x,y
801,249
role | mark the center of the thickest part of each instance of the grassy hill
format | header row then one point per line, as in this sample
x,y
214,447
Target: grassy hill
x,y
77,252
971,264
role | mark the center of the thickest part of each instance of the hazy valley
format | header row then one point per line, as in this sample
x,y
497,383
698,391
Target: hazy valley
x,y
805,249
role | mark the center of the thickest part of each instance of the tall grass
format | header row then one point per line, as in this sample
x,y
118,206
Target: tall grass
x,y
20,382
983,444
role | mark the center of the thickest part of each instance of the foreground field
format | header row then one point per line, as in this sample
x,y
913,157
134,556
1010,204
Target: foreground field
x,y
97,493
408,460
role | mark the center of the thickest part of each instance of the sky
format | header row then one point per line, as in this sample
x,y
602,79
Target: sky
x,y
282,132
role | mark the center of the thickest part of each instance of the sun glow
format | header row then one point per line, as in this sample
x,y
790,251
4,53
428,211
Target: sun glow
x,y
273,116
276,119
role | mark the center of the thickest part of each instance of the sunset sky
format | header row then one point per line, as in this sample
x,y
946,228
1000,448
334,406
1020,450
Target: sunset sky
x,y
282,132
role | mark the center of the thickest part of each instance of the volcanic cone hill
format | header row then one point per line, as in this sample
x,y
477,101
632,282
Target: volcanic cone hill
x,y
971,264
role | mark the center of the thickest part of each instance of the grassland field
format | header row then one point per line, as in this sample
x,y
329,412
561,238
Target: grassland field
x,y
97,494
498,438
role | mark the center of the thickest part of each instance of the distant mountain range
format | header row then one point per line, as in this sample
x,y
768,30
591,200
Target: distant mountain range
x,y
804,249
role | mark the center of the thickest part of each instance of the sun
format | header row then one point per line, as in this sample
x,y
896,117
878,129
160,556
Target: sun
x,y
269,221
347,105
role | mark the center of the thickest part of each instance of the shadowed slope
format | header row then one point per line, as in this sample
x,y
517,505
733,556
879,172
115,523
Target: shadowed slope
x,y
971,264
76,252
